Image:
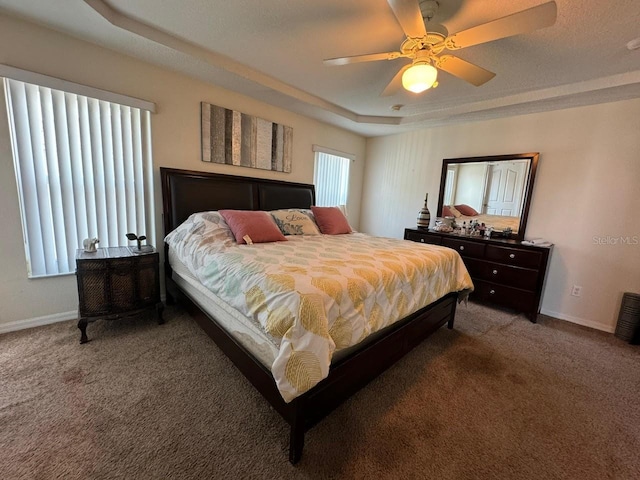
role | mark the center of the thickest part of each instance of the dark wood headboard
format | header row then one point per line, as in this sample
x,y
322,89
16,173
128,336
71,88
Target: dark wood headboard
x,y
185,192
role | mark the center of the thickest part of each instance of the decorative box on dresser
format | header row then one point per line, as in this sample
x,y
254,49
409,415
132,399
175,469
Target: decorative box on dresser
x,y
504,272
115,281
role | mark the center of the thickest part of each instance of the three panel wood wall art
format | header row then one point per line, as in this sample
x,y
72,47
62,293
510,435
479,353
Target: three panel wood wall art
x,y
235,138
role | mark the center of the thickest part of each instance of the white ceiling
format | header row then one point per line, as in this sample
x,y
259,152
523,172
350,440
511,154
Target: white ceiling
x,y
272,50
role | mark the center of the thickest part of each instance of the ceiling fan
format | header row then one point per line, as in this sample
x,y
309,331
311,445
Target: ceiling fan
x,y
424,45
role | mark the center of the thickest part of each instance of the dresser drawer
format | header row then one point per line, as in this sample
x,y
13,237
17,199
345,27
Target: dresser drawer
x,y
464,247
517,277
422,238
514,256
506,296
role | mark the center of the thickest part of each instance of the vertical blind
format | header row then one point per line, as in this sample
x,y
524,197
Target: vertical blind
x,y
83,169
331,179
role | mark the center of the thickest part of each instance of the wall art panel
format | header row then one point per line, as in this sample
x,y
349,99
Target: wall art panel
x,y
235,138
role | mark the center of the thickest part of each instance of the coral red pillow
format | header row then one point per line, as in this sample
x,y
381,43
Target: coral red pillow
x,y
450,211
467,210
331,220
252,226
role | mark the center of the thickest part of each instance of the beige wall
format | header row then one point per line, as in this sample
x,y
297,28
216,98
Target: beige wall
x,y
176,143
586,195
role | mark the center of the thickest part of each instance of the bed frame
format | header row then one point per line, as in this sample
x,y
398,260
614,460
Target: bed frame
x,y
185,192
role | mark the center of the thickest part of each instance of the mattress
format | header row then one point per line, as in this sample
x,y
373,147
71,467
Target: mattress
x,y
234,323
253,339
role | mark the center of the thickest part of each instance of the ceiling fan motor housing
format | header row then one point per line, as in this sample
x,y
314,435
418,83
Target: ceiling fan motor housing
x,y
429,8
432,42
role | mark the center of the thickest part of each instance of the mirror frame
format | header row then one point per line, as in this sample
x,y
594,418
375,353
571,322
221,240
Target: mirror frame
x,y
528,191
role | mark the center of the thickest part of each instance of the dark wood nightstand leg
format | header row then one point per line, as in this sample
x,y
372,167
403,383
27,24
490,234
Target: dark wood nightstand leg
x,y
82,325
159,310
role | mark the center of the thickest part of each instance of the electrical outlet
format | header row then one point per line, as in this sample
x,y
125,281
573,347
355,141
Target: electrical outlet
x,y
576,291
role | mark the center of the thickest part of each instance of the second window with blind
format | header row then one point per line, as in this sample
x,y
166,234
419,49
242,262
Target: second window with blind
x,y
331,177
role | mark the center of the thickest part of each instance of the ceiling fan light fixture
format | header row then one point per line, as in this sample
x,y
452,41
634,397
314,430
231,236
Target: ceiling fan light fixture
x,y
419,77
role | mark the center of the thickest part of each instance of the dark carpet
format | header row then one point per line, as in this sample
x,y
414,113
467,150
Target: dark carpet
x,y
497,397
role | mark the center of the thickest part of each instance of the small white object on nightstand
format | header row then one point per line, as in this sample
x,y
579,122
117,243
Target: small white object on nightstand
x,y
89,244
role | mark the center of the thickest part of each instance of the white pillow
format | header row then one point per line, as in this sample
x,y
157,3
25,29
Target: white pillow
x,y
295,221
203,232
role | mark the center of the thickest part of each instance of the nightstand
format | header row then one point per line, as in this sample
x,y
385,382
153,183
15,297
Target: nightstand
x,y
116,281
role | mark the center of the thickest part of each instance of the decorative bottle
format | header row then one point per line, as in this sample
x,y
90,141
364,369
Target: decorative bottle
x,y
424,216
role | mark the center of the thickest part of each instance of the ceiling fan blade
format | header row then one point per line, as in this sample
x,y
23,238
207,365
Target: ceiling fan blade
x,y
462,69
522,22
362,58
409,17
395,84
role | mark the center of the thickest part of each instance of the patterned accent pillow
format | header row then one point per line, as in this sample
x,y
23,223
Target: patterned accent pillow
x,y
295,222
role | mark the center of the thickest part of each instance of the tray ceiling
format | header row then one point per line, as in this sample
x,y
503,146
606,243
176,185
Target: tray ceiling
x,y
272,50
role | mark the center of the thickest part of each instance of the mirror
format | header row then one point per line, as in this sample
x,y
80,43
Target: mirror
x,y
494,190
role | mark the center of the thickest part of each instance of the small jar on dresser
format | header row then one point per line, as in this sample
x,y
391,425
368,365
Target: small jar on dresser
x,y
504,272
116,281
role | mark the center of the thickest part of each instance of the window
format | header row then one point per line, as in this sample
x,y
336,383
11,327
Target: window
x,y
331,177
83,169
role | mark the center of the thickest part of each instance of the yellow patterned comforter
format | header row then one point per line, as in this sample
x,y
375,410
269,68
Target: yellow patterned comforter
x,y
318,294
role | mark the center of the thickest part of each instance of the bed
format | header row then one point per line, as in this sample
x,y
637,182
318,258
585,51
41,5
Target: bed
x,y
185,193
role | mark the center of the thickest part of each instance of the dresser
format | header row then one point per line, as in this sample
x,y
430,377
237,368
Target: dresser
x,y
116,281
504,272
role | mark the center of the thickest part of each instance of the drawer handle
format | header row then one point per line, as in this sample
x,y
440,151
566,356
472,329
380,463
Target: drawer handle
x,y
461,247
495,272
512,255
492,292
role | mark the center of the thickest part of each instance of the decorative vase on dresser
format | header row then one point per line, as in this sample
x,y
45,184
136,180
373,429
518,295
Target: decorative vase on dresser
x,y
504,272
424,216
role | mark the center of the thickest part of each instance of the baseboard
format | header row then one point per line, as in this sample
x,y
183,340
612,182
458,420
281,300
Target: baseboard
x,y
579,321
38,321
61,317
46,320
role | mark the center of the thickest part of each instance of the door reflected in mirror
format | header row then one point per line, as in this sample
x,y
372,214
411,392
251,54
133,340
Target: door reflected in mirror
x,y
493,190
